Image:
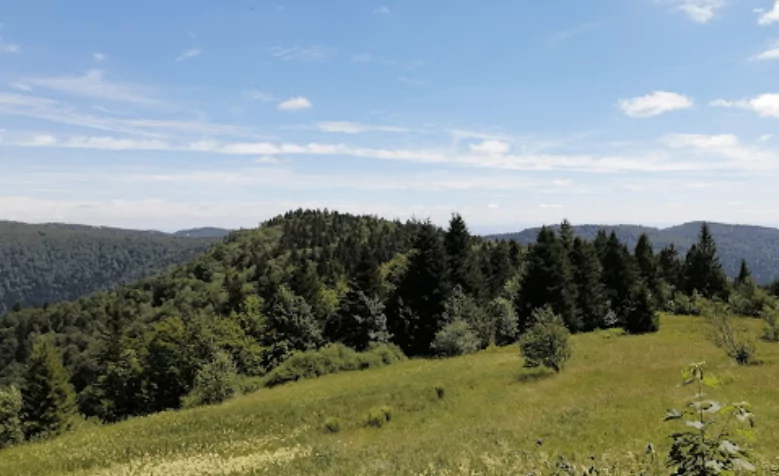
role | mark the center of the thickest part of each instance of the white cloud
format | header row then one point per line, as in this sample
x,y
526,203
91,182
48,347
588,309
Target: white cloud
x,y
189,54
562,183
771,53
345,127
770,16
700,141
700,11
490,147
20,86
383,10
550,205
654,104
94,84
9,47
765,105
257,95
294,104
303,54
565,35
99,57
493,205
765,137
267,160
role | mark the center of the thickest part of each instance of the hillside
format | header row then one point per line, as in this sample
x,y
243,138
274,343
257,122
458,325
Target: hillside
x,y
609,402
758,245
206,232
56,262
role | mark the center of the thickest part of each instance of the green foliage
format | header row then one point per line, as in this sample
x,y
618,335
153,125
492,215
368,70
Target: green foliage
x,y
359,321
706,443
331,359
455,339
641,317
378,417
53,262
49,403
10,416
702,269
620,276
440,391
332,425
503,321
546,342
736,341
747,299
770,316
461,261
591,300
215,382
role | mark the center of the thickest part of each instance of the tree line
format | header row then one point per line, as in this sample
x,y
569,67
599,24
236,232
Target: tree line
x,y
312,278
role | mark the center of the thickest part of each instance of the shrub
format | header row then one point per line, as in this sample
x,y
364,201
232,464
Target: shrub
x,y
332,359
771,330
215,382
378,417
704,445
504,321
440,391
455,339
332,425
546,342
735,341
749,300
10,416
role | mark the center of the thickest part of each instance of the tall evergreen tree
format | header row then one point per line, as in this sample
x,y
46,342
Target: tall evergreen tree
x,y
703,270
591,301
463,269
744,275
641,316
417,308
359,321
566,236
548,281
648,267
620,276
501,268
49,402
671,267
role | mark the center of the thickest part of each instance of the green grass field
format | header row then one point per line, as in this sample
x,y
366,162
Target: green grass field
x,y
609,402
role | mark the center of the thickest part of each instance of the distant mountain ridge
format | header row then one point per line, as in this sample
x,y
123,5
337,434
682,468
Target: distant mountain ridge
x,y
204,232
52,262
759,246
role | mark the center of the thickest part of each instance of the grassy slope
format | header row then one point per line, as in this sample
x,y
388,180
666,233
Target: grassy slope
x,y
610,400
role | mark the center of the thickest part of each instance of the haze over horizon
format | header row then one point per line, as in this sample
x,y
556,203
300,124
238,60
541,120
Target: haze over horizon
x,y
191,114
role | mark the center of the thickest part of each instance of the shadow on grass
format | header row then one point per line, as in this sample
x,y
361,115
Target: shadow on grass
x,y
534,375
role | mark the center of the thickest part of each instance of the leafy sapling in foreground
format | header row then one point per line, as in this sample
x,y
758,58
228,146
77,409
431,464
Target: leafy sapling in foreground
x,y
707,443
546,343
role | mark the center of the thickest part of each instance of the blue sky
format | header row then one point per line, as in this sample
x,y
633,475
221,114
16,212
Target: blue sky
x,y
176,114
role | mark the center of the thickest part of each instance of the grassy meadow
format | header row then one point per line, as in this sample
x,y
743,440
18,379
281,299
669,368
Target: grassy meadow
x,y
609,403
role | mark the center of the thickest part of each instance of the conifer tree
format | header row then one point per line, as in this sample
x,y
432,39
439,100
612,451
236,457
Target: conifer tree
x,y
548,281
500,267
702,269
591,300
670,266
620,276
417,308
49,402
744,275
460,257
648,267
641,316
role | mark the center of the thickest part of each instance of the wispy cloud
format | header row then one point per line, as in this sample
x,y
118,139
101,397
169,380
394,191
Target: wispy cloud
x,y
411,81
9,47
699,11
294,104
344,127
20,86
565,35
99,57
94,85
765,105
768,16
383,10
654,104
189,54
257,95
303,54
771,53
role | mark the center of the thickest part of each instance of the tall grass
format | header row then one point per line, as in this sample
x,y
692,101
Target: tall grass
x,y
608,403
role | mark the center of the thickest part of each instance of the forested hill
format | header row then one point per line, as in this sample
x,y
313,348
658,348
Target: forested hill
x,y
206,232
56,262
759,246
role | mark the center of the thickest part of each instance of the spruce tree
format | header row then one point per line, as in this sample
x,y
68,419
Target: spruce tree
x,y
620,276
359,321
460,258
641,316
702,269
670,267
591,300
500,266
49,402
744,275
417,307
648,267
548,281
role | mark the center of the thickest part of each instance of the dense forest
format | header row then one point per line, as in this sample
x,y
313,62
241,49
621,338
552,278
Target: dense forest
x,y
310,278
759,246
50,263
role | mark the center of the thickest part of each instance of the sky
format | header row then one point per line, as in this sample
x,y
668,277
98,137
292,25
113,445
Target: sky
x,y
513,113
